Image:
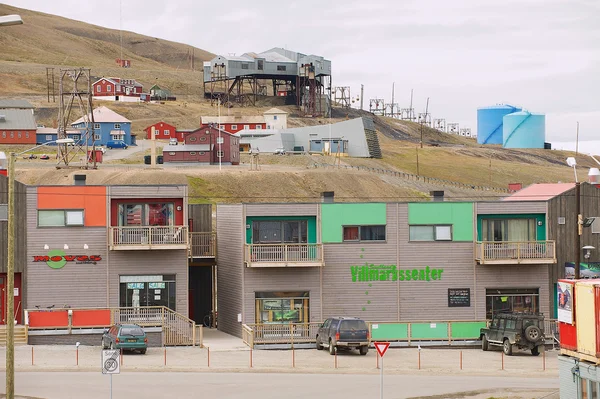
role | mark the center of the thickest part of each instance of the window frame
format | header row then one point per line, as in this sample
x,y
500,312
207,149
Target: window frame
x,y
360,234
65,222
96,126
302,227
434,230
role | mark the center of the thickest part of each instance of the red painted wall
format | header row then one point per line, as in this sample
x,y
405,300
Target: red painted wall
x,y
162,126
17,136
185,156
100,88
230,146
92,199
228,127
114,207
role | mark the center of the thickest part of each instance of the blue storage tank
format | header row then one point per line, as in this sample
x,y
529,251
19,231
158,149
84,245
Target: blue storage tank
x,y
489,123
524,130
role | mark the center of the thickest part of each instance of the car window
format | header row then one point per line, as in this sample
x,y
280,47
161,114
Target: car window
x,y
334,324
495,323
511,324
501,324
353,325
135,331
529,322
327,323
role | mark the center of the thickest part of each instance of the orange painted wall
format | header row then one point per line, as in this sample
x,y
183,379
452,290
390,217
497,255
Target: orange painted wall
x,y
92,199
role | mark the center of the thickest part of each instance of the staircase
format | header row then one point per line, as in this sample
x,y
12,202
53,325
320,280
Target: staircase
x,y
372,140
20,335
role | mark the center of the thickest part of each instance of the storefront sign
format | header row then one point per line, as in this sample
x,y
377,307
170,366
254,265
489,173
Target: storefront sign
x,y
57,259
586,270
372,272
565,302
459,297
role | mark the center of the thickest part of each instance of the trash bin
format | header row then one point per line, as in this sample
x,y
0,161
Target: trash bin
x,y
147,159
159,159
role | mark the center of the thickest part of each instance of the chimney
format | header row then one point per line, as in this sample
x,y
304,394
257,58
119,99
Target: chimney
x,y
514,186
327,197
79,180
438,196
594,176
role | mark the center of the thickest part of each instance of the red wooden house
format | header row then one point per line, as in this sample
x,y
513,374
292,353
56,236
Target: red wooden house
x,y
205,145
114,87
162,131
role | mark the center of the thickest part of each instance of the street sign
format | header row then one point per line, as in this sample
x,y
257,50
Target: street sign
x,y
111,361
382,347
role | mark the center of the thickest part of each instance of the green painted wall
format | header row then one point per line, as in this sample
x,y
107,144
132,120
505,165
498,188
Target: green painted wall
x,y
311,225
335,216
539,217
391,331
458,214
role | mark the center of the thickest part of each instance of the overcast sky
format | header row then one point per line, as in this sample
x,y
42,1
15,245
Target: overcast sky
x,y
543,55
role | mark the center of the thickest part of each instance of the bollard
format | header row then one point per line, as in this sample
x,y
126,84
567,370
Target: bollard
x,y
250,357
208,357
293,358
419,360
165,355
32,355
335,358
461,360
121,356
502,353
77,356
544,358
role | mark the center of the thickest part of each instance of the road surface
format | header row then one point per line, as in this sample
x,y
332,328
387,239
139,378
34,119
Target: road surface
x,y
92,385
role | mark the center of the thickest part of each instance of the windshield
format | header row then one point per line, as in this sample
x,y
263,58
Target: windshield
x,y
135,331
353,325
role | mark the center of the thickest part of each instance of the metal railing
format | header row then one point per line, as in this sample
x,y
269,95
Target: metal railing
x,y
516,252
288,333
203,245
148,236
284,253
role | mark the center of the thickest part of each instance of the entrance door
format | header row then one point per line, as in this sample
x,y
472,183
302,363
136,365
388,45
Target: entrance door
x,y
17,295
201,292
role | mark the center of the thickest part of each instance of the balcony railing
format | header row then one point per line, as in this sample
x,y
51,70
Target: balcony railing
x,y
284,255
528,252
203,245
148,237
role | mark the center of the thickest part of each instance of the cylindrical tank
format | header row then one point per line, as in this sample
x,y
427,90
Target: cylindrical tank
x,y
524,129
489,123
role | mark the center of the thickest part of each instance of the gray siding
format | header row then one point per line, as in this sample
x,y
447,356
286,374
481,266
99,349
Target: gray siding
x,y
177,191
570,383
20,226
147,263
282,209
510,207
76,285
230,257
201,216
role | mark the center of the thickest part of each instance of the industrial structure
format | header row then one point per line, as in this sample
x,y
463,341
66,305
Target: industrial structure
x,y
304,80
490,122
510,126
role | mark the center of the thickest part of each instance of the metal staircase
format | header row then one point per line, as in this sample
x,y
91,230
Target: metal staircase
x,y
372,140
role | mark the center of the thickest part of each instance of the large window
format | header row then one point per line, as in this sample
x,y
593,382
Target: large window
x,y
511,299
364,233
159,214
430,233
508,229
136,291
282,307
279,231
60,218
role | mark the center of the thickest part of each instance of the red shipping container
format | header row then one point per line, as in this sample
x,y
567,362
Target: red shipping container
x,y
98,154
566,314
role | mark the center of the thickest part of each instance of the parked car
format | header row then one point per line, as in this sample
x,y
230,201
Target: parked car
x,y
116,144
523,330
280,151
44,156
125,336
343,333
30,156
173,141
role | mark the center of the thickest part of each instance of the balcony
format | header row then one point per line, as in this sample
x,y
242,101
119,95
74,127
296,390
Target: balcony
x,y
203,245
284,255
148,237
502,253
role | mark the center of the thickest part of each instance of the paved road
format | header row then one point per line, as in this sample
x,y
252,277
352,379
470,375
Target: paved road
x,y
255,385
120,153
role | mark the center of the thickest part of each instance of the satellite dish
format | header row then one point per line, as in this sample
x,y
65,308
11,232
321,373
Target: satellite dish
x,y
571,161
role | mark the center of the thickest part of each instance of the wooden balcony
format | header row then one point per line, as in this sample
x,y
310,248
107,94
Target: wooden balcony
x,y
284,255
203,245
148,237
528,252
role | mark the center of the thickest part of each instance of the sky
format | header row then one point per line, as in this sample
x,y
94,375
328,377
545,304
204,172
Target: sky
x,y
542,55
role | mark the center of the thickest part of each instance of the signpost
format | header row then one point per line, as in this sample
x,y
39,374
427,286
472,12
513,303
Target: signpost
x,y
111,364
381,347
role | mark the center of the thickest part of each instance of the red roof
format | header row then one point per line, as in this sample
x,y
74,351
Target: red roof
x,y
540,192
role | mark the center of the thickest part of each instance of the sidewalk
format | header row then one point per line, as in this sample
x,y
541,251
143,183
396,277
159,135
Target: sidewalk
x,y
219,341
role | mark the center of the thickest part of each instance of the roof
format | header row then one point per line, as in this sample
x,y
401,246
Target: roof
x,y
12,103
242,120
276,57
186,147
540,192
118,81
273,111
54,130
17,119
103,114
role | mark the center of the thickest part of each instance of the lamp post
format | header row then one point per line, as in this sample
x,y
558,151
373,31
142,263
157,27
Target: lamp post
x,y
10,270
573,163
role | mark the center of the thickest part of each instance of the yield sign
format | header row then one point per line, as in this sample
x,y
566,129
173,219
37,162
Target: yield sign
x,y
382,347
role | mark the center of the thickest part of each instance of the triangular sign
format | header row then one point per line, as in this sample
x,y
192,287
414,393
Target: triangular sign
x,y
382,347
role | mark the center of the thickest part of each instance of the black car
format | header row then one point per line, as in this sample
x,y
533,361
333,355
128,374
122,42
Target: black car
x,y
343,333
522,330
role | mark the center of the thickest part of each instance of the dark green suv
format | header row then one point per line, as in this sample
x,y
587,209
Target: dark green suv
x,y
126,337
522,330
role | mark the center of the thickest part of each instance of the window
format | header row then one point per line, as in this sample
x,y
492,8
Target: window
x,y
12,135
60,218
233,127
97,137
156,132
282,307
274,117
118,88
281,67
152,214
279,231
596,225
117,126
136,291
192,153
19,134
364,233
245,66
201,153
3,135
171,153
48,137
246,127
3,212
258,127
96,126
192,139
220,154
108,88
203,138
26,135
430,233
167,132
221,127
508,229
98,89
511,299
76,137
260,65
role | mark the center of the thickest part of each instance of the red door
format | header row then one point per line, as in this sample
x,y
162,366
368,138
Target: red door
x,y
17,294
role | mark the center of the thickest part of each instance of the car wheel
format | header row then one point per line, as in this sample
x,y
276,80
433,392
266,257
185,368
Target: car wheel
x,y
363,350
484,343
143,351
535,350
112,346
319,347
332,348
533,333
507,347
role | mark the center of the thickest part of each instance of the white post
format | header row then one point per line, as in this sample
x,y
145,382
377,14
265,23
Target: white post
x,y
381,379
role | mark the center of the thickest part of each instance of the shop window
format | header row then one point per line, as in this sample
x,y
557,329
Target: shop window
x,y
282,307
151,214
60,218
508,230
136,291
430,233
364,233
279,232
511,300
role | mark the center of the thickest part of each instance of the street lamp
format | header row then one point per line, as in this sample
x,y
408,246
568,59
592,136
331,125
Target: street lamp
x,y
578,231
8,20
10,270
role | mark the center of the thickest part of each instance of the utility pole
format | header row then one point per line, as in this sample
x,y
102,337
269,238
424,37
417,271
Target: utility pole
x,y
362,95
426,112
10,283
578,231
410,110
577,141
417,149
393,83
